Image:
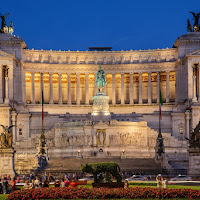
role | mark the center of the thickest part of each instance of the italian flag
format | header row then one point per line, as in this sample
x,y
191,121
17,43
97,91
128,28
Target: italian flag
x,y
160,105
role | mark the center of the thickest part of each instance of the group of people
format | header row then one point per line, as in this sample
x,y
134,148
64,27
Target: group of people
x,y
4,185
37,183
161,182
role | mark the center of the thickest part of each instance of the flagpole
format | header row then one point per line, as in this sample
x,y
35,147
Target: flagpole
x,y
42,137
159,140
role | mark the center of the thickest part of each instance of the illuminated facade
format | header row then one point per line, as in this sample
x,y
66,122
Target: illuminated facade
x,y
134,79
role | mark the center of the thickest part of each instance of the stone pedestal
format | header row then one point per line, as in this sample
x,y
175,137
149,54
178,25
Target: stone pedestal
x,y
101,107
194,162
7,162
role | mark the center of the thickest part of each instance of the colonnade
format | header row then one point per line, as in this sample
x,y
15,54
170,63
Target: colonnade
x,y
112,96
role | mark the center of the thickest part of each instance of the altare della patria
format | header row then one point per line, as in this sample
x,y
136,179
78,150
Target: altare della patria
x,y
61,109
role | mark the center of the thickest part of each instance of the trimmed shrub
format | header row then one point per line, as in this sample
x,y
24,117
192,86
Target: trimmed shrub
x,y
104,167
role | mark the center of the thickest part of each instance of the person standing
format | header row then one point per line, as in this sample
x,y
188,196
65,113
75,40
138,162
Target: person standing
x,y
13,184
5,186
32,185
62,184
45,183
159,179
1,187
67,183
165,184
37,182
26,185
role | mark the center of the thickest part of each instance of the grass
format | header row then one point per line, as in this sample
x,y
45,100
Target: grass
x,y
3,196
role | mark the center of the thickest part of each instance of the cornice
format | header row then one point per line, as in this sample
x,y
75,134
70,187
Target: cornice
x,y
98,52
127,68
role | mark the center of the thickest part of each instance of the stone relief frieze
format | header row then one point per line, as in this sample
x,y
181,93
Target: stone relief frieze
x,y
135,139
67,139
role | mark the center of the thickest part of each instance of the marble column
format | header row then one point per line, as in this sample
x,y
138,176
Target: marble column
x,y
1,86
140,87
86,89
176,86
199,82
194,99
149,88
24,86
60,88
122,88
113,89
51,88
187,116
167,86
33,87
77,88
42,85
105,86
69,88
158,87
7,88
131,88
13,119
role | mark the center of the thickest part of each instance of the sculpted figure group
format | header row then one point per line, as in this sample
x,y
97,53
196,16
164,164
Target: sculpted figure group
x,y
196,26
4,27
6,137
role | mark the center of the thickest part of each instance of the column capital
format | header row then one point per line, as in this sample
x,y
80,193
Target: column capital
x,y
32,73
78,74
122,73
60,73
131,73
140,73
86,74
113,73
149,72
51,73
187,113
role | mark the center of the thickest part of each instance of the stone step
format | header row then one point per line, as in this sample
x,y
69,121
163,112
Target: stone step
x,y
74,164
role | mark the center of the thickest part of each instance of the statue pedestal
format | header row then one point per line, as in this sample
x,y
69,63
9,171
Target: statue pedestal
x,y
101,107
194,161
7,161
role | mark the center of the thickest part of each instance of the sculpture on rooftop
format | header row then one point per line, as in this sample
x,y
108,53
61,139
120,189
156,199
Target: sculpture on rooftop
x,y
100,80
4,27
196,26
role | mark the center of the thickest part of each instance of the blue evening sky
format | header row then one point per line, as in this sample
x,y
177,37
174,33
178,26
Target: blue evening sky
x,y
79,24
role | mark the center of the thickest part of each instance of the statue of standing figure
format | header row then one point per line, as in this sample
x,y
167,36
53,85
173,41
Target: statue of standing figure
x,y
100,80
6,137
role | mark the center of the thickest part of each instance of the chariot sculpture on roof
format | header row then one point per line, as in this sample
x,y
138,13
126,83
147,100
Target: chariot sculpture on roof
x,y
196,26
100,80
4,27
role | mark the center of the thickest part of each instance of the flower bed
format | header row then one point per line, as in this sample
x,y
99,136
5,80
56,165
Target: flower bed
x,y
103,193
